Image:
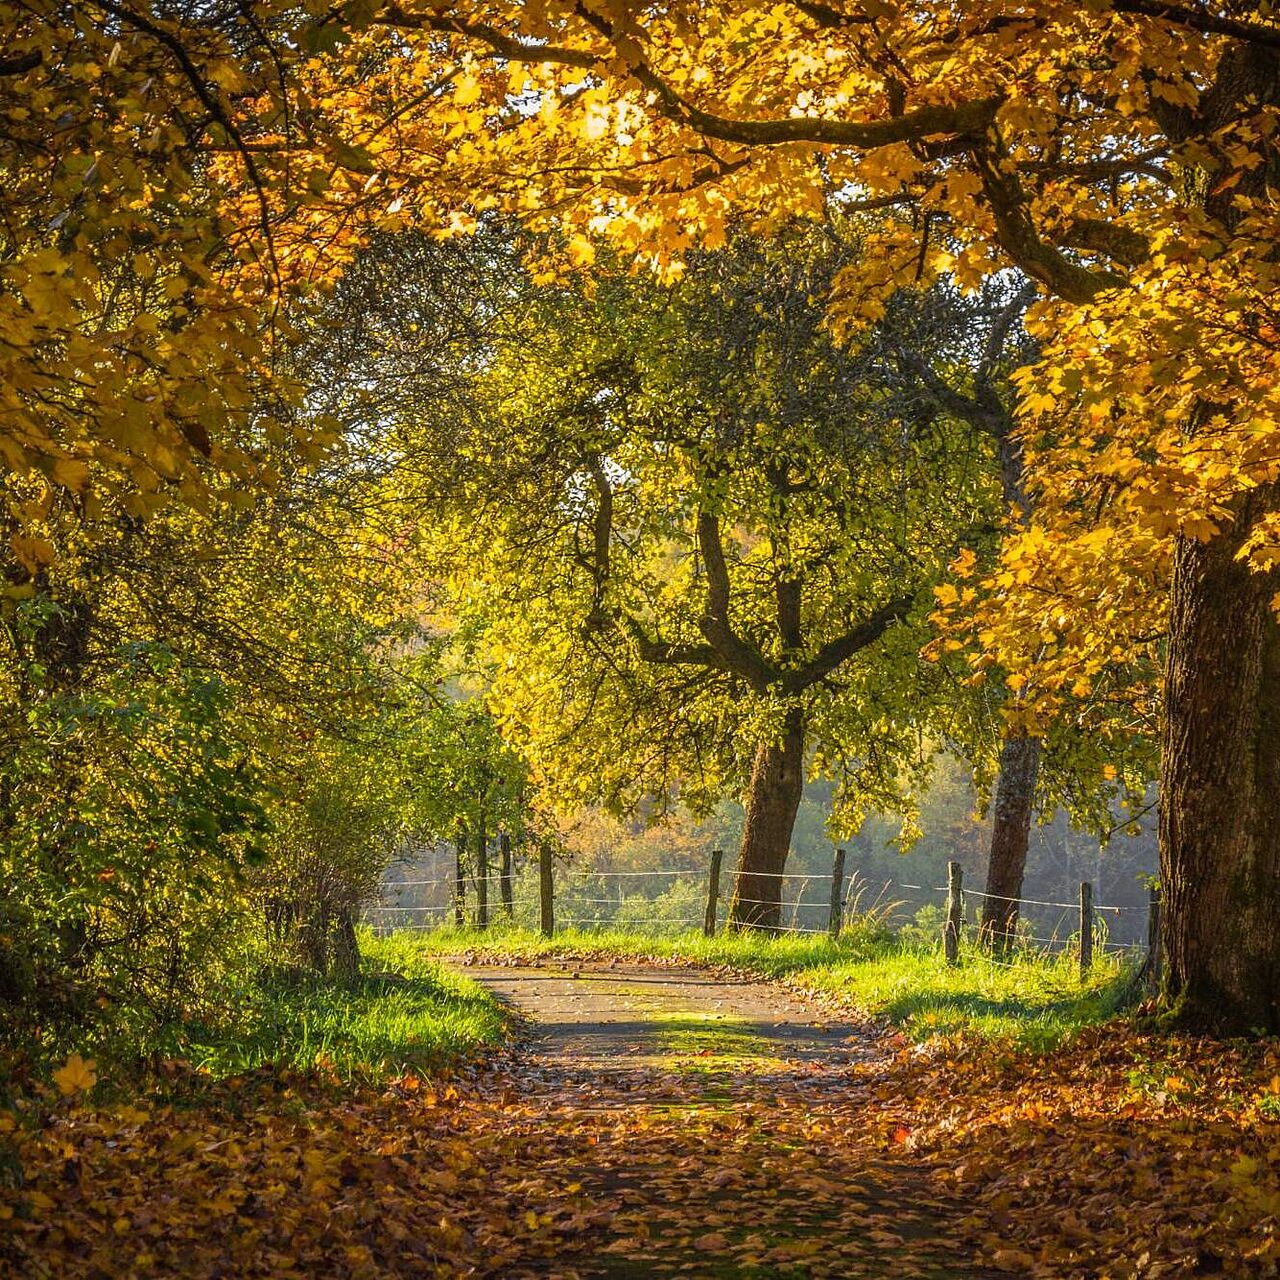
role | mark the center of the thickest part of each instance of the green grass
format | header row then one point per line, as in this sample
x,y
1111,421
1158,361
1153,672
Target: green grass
x,y
1033,1000
405,1013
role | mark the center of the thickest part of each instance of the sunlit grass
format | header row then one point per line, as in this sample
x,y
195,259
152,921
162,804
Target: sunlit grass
x,y
1030,998
404,1013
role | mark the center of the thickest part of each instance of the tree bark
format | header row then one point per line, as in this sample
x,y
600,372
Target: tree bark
x,y
777,783
1011,826
1220,803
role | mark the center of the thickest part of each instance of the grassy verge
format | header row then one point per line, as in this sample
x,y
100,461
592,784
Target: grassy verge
x,y
1033,1000
405,1013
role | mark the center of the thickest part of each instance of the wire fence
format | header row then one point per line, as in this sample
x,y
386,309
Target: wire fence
x,y
555,897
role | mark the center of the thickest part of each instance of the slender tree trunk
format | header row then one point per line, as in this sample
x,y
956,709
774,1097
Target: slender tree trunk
x,y
1220,801
777,783
1011,826
504,874
346,948
1019,756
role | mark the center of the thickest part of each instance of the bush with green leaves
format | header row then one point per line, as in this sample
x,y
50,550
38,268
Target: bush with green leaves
x,y
129,819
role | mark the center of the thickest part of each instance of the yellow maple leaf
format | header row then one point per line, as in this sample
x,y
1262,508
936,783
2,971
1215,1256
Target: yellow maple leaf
x,y
75,1076
582,252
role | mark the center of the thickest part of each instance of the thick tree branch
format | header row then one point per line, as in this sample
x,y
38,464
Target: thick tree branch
x,y
664,653
825,16
943,394
1200,19
514,50
1099,236
21,63
967,118
602,529
725,651
832,654
1020,239
739,657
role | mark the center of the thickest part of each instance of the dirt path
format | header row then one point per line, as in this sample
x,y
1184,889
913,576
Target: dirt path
x,y
622,1017
715,1127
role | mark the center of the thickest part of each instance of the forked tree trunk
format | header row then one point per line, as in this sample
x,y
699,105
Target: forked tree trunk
x,y
1220,799
1011,826
777,783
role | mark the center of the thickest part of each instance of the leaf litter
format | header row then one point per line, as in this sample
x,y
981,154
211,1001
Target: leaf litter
x,y
1122,1155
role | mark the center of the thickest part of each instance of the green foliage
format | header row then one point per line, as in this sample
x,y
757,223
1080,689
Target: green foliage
x,y
206,724
466,776
611,447
130,819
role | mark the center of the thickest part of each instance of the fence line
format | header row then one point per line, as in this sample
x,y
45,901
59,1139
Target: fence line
x,y
796,908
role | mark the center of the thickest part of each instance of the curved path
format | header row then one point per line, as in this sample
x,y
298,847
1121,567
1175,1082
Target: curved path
x,y
716,1127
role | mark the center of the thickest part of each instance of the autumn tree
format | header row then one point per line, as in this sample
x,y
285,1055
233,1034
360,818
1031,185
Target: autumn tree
x,y
690,528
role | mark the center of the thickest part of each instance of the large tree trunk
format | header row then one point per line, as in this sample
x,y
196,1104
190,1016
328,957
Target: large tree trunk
x,y
777,782
1220,800
1011,826
1220,759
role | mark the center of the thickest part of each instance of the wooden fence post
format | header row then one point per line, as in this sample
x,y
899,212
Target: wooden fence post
x,y
1153,965
1086,929
546,900
459,879
482,876
713,894
504,873
837,895
955,913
